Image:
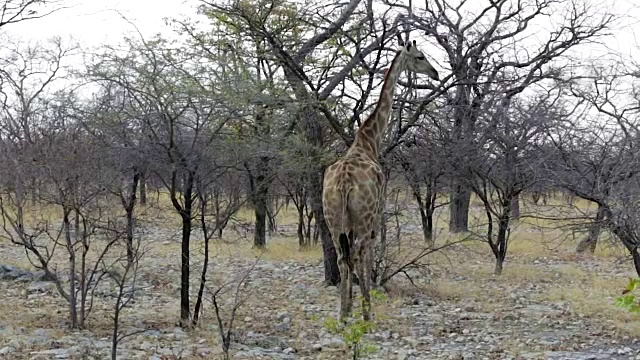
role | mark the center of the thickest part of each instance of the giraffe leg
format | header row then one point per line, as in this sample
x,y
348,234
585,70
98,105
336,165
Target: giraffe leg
x,y
369,259
354,276
346,289
365,282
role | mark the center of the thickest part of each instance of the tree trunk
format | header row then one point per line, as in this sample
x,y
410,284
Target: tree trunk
x,y
130,226
259,195
591,241
466,112
217,212
186,212
515,207
259,233
316,234
271,219
73,313
83,238
459,207
430,208
310,122
499,266
129,207
301,242
500,250
425,207
34,192
331,271
501,247
143,188
308,234
636,260
203,274
116,326
185,271
625,235
427,225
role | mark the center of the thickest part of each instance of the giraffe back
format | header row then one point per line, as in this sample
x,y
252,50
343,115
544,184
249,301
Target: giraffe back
x,y
351,195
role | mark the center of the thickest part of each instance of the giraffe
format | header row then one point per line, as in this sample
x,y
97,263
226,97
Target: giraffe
x,y
353,186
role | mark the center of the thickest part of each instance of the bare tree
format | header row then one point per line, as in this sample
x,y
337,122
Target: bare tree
x,y
597,158
206,186
510,158
605,172
487,53
179,117
227,299
421,162
327,27
124,273
15,11
43,141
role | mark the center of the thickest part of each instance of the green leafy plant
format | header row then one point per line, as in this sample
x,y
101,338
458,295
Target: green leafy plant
x,y
353,330
628,299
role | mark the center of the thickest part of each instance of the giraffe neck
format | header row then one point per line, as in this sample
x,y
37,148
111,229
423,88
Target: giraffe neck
x,y
369,135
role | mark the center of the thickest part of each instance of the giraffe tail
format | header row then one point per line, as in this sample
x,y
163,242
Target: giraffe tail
x,y
346,235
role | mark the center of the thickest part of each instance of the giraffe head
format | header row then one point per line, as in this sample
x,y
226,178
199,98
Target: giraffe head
x,y
416,61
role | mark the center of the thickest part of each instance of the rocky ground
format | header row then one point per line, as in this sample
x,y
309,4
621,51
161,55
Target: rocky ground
x,y
543,307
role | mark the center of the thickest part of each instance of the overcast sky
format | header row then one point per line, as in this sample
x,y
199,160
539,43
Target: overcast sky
x,y
94,22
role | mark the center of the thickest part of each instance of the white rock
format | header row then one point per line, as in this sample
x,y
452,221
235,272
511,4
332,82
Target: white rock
x,y
203,352
7,350
58,353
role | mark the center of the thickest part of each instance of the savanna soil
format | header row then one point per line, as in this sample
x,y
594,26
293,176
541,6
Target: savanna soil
x,y
548,304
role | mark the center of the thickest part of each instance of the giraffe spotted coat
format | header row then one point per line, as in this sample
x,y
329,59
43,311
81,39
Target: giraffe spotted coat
x,y
353,187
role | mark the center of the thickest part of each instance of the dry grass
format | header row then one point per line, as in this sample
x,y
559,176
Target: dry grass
x,y
591,294
279,248
33,315
594,296
448,290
